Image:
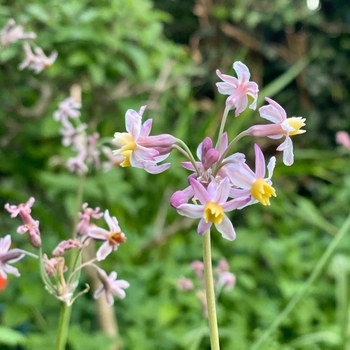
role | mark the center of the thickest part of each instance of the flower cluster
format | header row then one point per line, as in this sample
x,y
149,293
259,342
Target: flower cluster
x,y
221,181
223,280
61,279
37,60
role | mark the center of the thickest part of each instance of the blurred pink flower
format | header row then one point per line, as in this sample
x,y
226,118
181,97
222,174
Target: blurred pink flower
x,y
68,108
343,138
112,237
11,33
253,184
37,61
282,126
238,88
184,283
110,285
85,217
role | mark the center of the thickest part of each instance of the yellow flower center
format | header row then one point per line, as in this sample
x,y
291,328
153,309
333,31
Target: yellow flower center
x,y
262,191
213,212
126,150
115,238
297,123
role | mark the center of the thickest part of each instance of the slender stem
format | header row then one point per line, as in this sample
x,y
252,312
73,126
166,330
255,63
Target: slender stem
x,y
209,288
62,334
222,126
315,273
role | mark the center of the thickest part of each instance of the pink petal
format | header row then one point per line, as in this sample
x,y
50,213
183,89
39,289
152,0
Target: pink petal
x,y
104,251
242,71
191,210
199,191
146,128
98,233
133,123
259,163
203,226
226,229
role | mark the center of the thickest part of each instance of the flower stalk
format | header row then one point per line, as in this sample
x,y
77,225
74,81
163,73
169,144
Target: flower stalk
x,y
210,293
62,334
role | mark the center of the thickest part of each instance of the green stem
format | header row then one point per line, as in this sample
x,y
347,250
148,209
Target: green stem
x,y
63,327
209,288
315,273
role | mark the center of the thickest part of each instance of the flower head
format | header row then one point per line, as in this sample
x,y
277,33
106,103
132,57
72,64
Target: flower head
x,y
238,88
11,33
138,148
110,285
282,126
253,184
212,207
112,237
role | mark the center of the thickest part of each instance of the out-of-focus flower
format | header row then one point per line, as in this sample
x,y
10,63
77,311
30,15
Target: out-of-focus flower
x,y
227,280
184,283
71,135
85,217
66,245
10,256
77,164
11,33
3,282
198,268
213,207
54,266
138,148
111,286
68,108
282,126
37,61
343,138
114,160
112,237
238,88
253,184
29,224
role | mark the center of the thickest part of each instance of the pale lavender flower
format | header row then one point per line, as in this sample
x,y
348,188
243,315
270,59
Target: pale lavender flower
x,y
68,108
9,256
343,138
213,207
111,286
282,126
253,184
238,88
12,33
77,164
85,217
112,237
72,135
138,148
37,61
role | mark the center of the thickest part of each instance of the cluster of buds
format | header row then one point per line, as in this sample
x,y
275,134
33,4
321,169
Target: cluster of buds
x,y
62,279
221,181
223,280
37,60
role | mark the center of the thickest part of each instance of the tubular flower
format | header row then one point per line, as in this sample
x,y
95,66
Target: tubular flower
x,y
248,183
113,238
213,207
282,126
138,148
238,88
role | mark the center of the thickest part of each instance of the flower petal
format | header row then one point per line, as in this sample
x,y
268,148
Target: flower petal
x,y
226,229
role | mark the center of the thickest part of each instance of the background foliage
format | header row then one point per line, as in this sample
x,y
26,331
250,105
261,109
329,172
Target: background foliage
x,y
164,54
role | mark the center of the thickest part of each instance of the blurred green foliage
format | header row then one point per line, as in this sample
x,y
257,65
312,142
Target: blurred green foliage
x,y
118,53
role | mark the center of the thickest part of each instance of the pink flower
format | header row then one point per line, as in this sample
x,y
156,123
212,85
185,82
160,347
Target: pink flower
x,y
184,283
138,148
29,224
238,88
68,108
253,184
282,126
227,280
343,138
9,256
37,61
198,268
11,33
110,285
112,237
85,217
213,207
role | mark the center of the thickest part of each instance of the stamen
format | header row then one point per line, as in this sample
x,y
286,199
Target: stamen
x,y
262,191
213,212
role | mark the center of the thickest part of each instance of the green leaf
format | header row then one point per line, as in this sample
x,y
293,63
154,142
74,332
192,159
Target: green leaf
x,y
10,337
